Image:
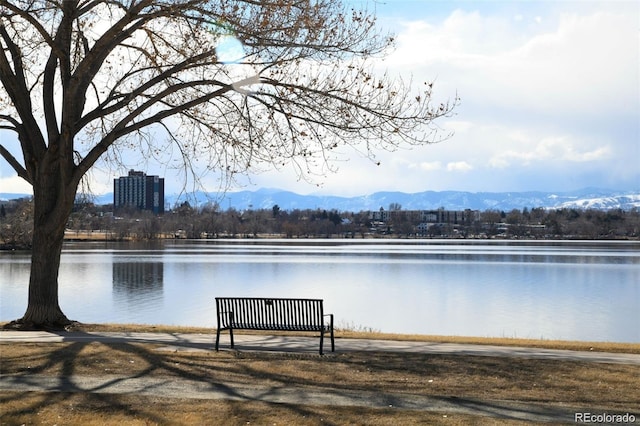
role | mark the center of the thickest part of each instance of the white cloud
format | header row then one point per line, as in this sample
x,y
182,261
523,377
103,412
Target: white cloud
x,y
459,166
458,126
543,92
429,166
584,65
597,154
548,149
14,185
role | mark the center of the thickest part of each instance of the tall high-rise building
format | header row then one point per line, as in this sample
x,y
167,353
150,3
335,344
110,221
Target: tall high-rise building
x,y
140,191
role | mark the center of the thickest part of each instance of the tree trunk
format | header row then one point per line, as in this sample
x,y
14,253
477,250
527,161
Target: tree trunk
x,y
52,206
43,309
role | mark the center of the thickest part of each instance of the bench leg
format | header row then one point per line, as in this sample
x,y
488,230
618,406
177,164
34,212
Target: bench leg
x,y
218,338
333,344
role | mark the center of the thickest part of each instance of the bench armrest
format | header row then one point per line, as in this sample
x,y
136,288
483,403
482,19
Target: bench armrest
x,y
330,319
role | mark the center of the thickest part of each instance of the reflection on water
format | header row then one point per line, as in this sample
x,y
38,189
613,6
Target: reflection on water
x,y
554,290
137,285
137,279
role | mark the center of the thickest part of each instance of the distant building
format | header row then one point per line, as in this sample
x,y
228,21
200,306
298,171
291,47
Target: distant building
x,y
139,191
428,216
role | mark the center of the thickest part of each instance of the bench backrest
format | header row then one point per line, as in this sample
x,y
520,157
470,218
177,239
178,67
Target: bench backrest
x,y
254,312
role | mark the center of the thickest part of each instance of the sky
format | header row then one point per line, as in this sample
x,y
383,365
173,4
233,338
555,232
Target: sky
x,y
550,101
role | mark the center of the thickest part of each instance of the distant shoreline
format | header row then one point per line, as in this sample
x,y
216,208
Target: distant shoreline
x,y
107,236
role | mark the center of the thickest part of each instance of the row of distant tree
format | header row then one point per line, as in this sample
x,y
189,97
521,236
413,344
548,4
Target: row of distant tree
x,y
185,221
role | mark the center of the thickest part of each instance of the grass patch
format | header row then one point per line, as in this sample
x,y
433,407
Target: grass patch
x,y
547,382
552,383
518,379
98,410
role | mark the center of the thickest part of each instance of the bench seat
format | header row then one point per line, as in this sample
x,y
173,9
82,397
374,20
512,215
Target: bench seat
x,y
278,327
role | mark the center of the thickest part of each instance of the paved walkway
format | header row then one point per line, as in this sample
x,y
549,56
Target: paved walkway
x,y
310,344
187,388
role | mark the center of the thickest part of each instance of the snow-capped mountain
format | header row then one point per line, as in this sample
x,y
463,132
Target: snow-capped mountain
x,y
589,198
625,202
450,200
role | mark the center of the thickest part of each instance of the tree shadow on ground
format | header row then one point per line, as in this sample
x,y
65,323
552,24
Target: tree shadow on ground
x,y
373,379
66,366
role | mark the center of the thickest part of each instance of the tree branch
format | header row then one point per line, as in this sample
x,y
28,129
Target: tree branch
x,y
125,98
14,82
22,172
122,129
102,48
30,18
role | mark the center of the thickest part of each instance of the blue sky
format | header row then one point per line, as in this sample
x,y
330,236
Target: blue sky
x,y
550,100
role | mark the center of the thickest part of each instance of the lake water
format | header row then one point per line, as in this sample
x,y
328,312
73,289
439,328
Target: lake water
x,y
572,290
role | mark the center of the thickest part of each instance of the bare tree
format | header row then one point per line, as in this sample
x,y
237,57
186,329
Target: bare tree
x,y
89,80
17,225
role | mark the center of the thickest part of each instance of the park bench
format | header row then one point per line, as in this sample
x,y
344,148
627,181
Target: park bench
x,y
249,313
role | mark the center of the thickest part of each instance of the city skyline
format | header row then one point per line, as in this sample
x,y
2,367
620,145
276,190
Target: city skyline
x,y
549,101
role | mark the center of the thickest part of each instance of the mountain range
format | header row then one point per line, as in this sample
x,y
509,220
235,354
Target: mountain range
x,y
594,198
